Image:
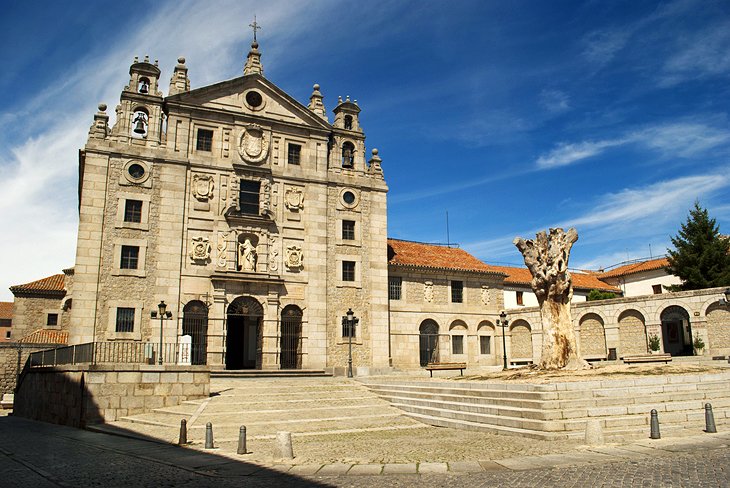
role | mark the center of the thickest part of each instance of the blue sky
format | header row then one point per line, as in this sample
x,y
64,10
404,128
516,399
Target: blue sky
x,y
511,116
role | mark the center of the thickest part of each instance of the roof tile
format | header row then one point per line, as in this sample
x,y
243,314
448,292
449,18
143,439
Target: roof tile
x,y
6,310
408,253
53,283
45,336
632,268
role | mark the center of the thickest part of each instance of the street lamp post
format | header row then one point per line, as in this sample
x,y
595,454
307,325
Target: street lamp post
x,y
349,321
503,322
164,315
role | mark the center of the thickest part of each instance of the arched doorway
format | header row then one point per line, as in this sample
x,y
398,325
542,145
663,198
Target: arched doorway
x,y
429,342
195,324
291,338
676,331
244,335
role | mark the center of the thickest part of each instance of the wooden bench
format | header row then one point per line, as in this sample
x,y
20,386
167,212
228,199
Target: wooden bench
x,y
648,358
431,367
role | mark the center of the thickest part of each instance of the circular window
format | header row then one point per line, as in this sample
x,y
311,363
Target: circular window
x,y
136,171
254,99
348,197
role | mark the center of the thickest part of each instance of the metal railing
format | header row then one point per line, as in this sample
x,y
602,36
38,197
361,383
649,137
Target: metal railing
x,y
126,352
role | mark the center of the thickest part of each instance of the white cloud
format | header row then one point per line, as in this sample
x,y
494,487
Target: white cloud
x,y
555,101
706,53
568,153
602,46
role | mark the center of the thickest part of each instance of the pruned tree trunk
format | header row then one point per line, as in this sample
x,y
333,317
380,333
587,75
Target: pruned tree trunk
x,y
547,259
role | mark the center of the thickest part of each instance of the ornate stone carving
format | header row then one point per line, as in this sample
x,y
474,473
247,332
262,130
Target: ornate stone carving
x,y
200,249
203,187
253,146
247,256
485,294
223,249
273,255
428,291
265,199
294,257
294,199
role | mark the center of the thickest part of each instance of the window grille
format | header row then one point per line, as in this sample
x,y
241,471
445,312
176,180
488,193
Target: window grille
x,y
294,154
457,344
130,257
248,197
205,140
485,345
348,271
457,291
52,319
133,211
395,286
125,319
348,230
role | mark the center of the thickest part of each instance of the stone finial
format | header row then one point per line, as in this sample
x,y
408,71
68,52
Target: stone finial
x,y
253,61
179,82
100,127
316,104
374,165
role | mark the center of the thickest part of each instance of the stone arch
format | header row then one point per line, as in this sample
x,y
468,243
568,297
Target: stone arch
x,y
428,342
485,334
290,342
348,154
711,303
632,332
195,325
244,334
521,341
676,330
592,336
718,332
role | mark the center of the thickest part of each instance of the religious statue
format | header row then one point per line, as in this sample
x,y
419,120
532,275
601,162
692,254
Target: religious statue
x,y
248,256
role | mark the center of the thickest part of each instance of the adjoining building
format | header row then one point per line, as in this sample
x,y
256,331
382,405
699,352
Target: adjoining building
x,y
641,277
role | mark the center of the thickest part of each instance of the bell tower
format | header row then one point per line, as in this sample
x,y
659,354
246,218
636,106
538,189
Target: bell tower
x,y
348,151
139,114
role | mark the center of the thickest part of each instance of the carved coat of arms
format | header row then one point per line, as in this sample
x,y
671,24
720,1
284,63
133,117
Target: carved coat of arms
x,y
293,257
202,187
253,146
294,199
200,249
428,291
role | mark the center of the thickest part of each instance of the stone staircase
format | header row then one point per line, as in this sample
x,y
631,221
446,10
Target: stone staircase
x,y
561,410
270,373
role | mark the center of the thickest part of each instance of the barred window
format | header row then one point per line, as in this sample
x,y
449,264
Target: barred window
x,y
248,196
294,154
485,345
348,230
457,291
348,270
395,285
130,257
205,140
52,319
133,211
125,319
457,344
349,329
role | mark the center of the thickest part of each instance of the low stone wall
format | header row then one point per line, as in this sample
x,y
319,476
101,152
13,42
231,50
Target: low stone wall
x,y
81,395
13,356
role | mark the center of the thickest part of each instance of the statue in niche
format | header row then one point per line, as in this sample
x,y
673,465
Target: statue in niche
x,y
428,291
200,249
248,256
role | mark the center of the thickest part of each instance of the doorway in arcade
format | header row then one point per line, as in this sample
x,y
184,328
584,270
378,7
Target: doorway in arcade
x,y
244,334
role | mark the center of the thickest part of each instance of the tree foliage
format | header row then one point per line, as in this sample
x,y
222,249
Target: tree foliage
x,y
701,255
599,295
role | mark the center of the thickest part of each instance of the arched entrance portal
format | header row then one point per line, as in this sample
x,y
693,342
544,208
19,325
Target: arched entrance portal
x,y
291,337
244,337
676,331
429,342
195,324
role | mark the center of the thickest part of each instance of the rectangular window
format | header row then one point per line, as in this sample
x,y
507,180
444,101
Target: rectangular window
x,y
205,140
348,329
395,286
133,211
248,197
125,319
294,154
457,291
457,344
7,334
52,319
348,270
6,322
485,345
520,298
657,289
348,230
130,257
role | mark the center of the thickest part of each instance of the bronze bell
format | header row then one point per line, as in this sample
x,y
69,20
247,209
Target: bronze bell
x,y
144,87
139,127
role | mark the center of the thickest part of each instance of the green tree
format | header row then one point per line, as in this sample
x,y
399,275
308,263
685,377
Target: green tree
x,y
701,255
599,295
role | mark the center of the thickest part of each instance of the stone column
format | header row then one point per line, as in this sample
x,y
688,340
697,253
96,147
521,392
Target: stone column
x,y
270,347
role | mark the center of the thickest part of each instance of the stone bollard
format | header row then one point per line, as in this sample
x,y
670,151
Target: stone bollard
x,y
209,436
655,426
709,420
242,440
594,433
283,441
183,432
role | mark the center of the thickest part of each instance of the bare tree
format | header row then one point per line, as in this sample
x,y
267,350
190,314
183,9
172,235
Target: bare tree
x,y
547,259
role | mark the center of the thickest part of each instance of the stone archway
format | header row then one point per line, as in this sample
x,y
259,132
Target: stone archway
x,y
718,335
676,331
428,342
195,324
632,333
521,341
592,337
290,356
244,334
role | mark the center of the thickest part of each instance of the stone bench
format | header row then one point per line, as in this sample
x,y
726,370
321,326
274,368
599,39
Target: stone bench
x,y
7,401
648,358
431,367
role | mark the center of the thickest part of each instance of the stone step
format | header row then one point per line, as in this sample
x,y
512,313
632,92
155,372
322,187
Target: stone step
x,y
475,392
271,373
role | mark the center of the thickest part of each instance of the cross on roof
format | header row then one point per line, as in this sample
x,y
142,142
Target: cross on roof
x,y
255,26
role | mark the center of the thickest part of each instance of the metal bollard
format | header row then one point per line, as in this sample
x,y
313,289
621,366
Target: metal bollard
x,y
709,420
655,425
209,436
242,440
183,432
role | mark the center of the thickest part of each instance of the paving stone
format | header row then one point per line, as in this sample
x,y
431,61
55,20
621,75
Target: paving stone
x,y
491,466
408,468
334,469
305,469
465,467
430,468
366,469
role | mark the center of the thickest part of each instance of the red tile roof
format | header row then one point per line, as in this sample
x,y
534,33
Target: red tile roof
x,y
522,276
628,269
6,310
53,285
45,336
418,254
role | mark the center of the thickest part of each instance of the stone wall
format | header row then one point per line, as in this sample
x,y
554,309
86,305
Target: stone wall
x,y
12,358
718,328
521,341
31,314
592,336
632,334
81,395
